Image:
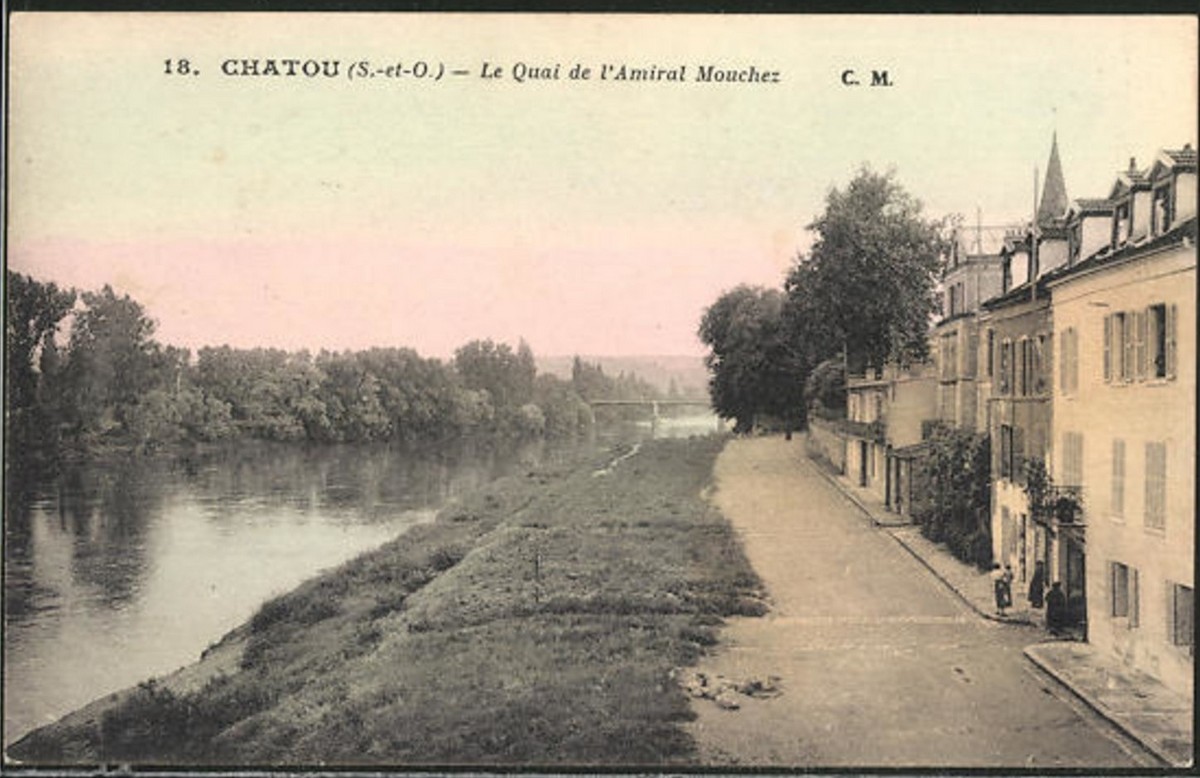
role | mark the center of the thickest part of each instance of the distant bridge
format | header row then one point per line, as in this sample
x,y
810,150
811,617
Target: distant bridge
x,y
654,405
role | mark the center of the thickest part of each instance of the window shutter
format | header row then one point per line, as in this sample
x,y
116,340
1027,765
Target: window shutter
x,y
1140,319
1133,598
1018,448
1110,589
1108,348
1128,352
1062,361
1074,359
1172,320
1169,589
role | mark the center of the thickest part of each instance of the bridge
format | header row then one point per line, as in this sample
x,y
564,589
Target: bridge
x,y
655,405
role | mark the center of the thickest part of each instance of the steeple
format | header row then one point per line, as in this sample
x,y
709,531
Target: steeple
x,y
1054,201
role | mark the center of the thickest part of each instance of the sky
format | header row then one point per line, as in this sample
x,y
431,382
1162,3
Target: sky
x,y
585,216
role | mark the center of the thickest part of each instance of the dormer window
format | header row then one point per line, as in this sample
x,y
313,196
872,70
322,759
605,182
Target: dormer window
x,y
1160,210
1122,221
1074,242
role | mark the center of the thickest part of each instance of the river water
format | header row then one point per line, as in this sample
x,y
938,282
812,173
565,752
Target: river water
x,y
117,572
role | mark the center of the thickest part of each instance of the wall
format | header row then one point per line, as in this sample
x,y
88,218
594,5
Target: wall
x,y
1157,410
821,441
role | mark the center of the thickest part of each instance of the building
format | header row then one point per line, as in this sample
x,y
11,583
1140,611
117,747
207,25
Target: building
x,y
886,412
1123,421
973,273
1016,350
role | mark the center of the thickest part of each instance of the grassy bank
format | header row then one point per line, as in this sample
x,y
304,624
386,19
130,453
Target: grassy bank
x,y
537,622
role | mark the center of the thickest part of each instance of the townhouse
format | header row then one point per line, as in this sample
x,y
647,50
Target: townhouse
x,y
1123,419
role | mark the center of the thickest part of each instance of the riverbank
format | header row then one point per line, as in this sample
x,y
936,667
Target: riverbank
x,y
537,621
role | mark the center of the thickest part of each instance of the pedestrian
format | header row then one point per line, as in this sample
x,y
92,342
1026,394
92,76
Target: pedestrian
x,y
1037,584
1056,608
1000,586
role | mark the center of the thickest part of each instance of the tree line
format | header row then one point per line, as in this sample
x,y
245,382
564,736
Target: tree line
x,y
863,295
84,373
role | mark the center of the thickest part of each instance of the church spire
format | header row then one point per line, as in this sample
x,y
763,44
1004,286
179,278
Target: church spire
x,y
1054,194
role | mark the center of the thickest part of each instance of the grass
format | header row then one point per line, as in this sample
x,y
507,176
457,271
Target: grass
x,y
539,622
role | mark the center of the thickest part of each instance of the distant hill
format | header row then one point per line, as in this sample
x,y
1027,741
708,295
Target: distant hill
x,y
690,374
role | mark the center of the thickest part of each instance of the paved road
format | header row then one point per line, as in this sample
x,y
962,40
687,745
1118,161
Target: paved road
x,y
881,665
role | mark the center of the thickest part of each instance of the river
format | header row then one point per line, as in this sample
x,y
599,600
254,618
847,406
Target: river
x,y
117,572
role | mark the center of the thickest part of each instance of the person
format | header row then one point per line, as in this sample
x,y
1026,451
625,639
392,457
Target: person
x,y
1037,584
1056,608
1000,585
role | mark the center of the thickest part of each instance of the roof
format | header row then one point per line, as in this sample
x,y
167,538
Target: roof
x,y
1054,192
1128,179
1173,160
1026,292
1184,157
1092,205
1184,231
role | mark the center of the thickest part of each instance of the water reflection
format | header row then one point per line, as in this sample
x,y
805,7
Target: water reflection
x,y
119,571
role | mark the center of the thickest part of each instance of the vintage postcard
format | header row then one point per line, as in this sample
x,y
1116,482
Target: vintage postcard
x,y
579,391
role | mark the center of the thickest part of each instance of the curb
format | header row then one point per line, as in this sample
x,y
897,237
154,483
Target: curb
x,y
1153,748
851,496
969,603
887,525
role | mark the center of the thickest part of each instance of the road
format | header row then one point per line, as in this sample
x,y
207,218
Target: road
x,y
881,664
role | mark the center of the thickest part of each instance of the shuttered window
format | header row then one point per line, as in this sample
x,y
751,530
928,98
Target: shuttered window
x,y
1155,511
1119,589
1181,612
1108,348
1072,459
1117,503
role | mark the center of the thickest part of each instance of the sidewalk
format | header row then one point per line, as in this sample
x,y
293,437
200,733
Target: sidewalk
x,y
1155,716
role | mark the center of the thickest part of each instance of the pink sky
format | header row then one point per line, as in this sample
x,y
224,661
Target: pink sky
x,y
586,218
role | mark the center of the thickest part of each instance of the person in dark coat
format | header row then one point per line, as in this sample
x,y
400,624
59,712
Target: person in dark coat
x,y
1056,608
1037,585
1001,586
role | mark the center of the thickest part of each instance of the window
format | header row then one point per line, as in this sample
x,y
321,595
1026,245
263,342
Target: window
x,y
1072,459
1074,243
949,356
1182,616
1122,219
991,353
1138,323
1068,361
1039,364
1022,378
1118,348
1006,451
1117,496
1140,345
1155,506
1160,341
1006,366
1160,212
1123,583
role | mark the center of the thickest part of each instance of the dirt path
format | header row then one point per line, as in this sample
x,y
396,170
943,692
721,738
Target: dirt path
x,y
879,664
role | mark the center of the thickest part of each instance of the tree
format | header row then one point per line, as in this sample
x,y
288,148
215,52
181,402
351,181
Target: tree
x,y
507,376
112,361
866,289
35,312
753,365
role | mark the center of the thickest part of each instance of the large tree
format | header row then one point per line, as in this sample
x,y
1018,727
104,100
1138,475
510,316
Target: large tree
x,y
866,288
112,361
35,312
753,366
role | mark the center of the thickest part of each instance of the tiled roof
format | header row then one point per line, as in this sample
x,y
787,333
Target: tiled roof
x,y
1092,205
1185,230
1184,157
